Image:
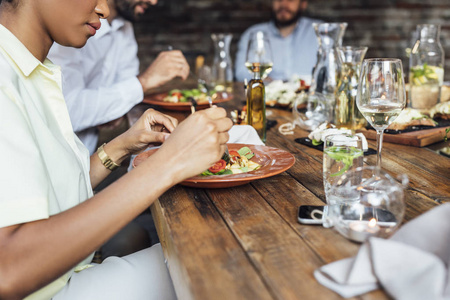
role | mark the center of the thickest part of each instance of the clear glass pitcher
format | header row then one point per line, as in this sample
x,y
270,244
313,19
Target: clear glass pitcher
x,y
426,68
346,113
222,68
327,70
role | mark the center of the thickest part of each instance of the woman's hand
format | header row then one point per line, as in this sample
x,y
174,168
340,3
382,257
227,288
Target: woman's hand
x,y
152,127
196,144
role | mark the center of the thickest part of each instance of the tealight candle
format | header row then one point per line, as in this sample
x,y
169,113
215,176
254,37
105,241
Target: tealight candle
x,y
359,231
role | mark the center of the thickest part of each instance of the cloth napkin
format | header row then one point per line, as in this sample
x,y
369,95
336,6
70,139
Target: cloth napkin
x,y
244,134
413,264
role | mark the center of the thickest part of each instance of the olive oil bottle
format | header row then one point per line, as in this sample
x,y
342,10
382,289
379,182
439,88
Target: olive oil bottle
x,y
256,104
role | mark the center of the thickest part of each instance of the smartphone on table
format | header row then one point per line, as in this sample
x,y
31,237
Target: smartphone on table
x,y
312,214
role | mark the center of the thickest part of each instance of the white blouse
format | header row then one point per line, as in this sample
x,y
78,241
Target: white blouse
x,y
45,167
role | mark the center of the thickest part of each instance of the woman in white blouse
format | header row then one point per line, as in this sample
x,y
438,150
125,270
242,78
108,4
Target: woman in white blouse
x,y
50,222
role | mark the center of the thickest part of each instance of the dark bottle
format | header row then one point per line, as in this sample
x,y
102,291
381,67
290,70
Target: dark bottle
x,y
256,104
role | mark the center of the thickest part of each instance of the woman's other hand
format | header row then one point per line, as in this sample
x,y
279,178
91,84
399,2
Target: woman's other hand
x,y
152,127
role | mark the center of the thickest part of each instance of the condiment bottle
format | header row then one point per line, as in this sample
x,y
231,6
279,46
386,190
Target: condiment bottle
x,y
256,104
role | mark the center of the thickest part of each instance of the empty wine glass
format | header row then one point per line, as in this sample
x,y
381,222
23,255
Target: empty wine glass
x,y
259,51
381,94
206,83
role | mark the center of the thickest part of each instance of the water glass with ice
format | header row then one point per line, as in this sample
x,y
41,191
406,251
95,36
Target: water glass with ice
x,y
342,153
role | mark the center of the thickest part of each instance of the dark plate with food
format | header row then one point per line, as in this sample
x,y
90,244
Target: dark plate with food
x,y
180,100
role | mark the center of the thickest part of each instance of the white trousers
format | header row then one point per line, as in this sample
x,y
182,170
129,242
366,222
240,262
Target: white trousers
x,y
141,275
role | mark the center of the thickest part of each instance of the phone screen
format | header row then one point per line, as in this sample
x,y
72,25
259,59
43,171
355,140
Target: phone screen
x,y
311,214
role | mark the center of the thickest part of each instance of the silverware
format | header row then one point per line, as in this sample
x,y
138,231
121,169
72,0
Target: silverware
x,y
202,86
193,104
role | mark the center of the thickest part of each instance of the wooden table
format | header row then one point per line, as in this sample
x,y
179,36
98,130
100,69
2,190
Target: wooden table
x,y
245,242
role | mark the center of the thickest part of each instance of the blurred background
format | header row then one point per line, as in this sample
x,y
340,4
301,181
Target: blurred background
x,y
385,26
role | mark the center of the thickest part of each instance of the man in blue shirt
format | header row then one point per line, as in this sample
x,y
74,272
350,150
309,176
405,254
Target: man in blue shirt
x,y
292,39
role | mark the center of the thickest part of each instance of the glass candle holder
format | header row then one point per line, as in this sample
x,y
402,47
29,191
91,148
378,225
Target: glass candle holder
x,y
371,203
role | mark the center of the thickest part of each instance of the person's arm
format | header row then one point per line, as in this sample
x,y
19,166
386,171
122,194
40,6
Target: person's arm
x,y
166,66
35,253
91,103
152,127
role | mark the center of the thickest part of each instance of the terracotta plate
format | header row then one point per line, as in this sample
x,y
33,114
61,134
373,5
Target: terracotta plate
x,y
273,161
157,99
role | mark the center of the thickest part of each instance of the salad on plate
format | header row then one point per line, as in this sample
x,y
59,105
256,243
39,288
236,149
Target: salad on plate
x,y
234,163
176,95
279,93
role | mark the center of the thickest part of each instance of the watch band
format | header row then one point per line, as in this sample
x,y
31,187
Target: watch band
x,y
105,159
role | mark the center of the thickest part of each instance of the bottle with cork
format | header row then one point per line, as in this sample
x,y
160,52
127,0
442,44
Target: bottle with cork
x,y
256,104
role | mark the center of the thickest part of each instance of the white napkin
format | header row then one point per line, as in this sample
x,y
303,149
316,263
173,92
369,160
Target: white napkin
x,y
413,264
244,134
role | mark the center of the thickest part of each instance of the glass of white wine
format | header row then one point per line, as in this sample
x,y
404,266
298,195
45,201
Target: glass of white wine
x,y
259,51
381,94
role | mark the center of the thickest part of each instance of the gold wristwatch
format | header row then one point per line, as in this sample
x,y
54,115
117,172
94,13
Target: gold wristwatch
x,y
105,159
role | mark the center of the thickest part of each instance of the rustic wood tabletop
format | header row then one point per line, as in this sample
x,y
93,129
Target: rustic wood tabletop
x,y
245,242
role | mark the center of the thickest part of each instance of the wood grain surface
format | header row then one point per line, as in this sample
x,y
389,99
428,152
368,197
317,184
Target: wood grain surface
x,y
245,242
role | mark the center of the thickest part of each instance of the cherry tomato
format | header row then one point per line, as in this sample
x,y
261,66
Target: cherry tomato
x,y
177,94
218,166
234,153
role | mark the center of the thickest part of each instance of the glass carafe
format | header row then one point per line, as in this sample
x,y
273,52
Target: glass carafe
x,y
346,113
327,70
426,68
222,68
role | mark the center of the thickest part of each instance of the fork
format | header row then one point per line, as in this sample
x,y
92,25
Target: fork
x,y
204,89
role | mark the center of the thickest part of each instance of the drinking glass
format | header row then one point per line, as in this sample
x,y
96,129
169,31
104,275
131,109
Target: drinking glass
x,y
342,153
319,109
371,203
206,82
222,67
259,51
381,94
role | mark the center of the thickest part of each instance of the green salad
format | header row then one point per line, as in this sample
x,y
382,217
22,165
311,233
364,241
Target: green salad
x,y
177,95
235,163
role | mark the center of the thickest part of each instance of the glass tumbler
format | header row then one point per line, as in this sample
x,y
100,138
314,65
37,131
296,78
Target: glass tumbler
x,y
342,153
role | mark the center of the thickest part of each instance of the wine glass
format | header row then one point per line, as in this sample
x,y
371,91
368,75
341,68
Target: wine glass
x,y
206,83
259,51
381,94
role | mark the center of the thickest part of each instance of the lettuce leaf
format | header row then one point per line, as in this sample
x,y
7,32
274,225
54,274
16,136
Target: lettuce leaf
x,y
245,151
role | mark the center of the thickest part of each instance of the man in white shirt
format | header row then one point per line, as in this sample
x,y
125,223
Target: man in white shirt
x,y
101,81
292,38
